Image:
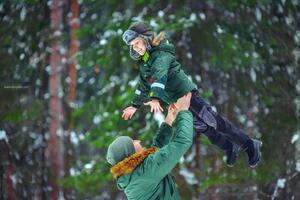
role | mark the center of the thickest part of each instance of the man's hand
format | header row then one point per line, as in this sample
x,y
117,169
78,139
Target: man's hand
x,y
155,106
183,103
171,114
128,112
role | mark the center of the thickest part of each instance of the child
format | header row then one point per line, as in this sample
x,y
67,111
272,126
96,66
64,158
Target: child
x,y
161,80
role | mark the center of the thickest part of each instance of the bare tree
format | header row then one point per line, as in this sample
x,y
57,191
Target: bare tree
x,y
11,193
54,148
73,21
73,49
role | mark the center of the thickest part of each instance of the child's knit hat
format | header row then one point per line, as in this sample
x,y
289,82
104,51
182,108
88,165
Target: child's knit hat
x,y
138,29
119,149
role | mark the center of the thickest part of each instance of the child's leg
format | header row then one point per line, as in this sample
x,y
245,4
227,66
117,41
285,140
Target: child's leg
x,y
217,139
214,137
202,110
236,136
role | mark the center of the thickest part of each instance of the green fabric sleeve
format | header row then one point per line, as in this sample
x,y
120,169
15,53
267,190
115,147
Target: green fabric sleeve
x,y
160,68
141,93
163,135
164,160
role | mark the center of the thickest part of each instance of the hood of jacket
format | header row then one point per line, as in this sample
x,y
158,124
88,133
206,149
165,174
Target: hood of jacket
x,y
165,46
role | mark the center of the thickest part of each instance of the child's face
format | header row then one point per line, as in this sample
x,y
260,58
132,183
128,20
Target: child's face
x,y
139,45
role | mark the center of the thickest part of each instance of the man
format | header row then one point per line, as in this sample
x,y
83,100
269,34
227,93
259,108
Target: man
x,y
144,173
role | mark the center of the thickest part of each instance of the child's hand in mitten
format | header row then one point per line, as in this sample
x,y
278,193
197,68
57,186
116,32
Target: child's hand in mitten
x,y
155,105
128,112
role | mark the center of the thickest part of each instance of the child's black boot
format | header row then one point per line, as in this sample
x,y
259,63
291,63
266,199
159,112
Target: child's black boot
x,y
231,155
252,148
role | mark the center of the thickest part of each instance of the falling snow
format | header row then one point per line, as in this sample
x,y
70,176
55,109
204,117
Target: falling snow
x,y
3,135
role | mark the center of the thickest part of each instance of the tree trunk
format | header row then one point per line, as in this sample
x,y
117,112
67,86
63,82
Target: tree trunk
x,y
1,181
73,49
54,148
214,191
73,21
10,191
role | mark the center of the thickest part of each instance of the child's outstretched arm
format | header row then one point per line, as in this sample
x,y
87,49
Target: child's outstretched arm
x,y
160,68
140,95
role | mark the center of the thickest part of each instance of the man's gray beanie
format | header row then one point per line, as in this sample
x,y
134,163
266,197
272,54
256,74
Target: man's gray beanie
x,y
119,149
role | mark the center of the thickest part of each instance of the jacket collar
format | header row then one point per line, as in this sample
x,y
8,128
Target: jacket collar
x,y
127,165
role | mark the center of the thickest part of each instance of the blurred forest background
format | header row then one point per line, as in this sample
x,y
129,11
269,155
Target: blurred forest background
x,y
66,75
